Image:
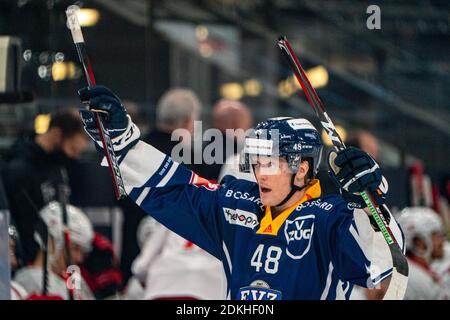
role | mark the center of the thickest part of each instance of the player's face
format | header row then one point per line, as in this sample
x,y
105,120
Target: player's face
x,y
437,240
12,254
274,179
74,146
76,253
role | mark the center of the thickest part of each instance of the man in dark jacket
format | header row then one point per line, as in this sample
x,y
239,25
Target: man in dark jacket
x,y
35,173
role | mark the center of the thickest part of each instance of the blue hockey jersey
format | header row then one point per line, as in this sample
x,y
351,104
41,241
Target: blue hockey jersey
x,y
317,249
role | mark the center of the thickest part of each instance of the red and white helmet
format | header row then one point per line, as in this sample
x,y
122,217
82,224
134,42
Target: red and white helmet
x,y
422,223
80,227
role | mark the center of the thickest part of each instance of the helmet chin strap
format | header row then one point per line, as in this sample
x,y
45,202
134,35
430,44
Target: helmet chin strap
x,y
294,189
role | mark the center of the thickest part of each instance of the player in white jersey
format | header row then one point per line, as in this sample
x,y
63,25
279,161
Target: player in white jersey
x,y
80,235
174,268
17,291
441,265
135,289
424,240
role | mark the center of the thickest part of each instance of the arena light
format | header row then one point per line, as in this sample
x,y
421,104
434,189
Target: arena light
x,y
318,76
232,91
252,87
41,123
286,88
88,17
340,130
63,70
201,32
59,71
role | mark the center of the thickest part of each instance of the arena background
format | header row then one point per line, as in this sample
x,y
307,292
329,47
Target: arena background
x,y
391,81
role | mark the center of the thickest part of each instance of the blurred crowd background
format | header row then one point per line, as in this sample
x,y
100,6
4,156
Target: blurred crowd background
x,y
174,62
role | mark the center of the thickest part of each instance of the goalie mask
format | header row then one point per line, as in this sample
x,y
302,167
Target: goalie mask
x,y
292,139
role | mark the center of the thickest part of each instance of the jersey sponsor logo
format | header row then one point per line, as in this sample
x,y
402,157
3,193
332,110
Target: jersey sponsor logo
x,y
300,124
258,290
298,234
241,218
316,203
238,195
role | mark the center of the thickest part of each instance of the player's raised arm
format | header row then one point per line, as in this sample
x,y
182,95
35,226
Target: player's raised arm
x,y
358,246
182,205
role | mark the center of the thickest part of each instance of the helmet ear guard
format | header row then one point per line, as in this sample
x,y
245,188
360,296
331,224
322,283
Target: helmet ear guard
x,y
294,161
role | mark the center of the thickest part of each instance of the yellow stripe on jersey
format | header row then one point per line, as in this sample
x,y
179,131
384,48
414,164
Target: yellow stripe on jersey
x,y
271,227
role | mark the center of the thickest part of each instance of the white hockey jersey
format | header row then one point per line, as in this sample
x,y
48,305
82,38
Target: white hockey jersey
x,y
134,290
30,278
422,284
442,267
17,291
171,266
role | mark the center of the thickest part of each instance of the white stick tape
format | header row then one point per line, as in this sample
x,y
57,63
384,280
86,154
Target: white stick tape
x,y
73,24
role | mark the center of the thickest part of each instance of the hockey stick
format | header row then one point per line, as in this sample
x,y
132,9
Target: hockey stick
x,y
77,35
42,231
399,279
45,268
61,197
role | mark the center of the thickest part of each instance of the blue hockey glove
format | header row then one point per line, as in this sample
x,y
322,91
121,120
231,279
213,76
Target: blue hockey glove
x,y
123,132
354,171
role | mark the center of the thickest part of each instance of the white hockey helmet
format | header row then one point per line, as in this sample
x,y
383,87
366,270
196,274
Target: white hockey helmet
x,y
422,223
52,219
80,227
145,228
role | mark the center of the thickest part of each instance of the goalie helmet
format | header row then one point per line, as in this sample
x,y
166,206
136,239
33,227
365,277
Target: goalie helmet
x,y
422,223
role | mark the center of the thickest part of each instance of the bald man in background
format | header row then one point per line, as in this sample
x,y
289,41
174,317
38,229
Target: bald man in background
x,y
227,114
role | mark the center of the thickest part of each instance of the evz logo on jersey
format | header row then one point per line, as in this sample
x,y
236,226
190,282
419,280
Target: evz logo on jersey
x,y
298,234
250,293
258,290
241,217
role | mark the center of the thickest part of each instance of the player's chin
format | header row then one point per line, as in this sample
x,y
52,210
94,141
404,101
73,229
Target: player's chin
x,y
267,200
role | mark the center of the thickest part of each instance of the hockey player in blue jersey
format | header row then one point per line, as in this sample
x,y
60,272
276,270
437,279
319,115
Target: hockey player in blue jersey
x,y
277,238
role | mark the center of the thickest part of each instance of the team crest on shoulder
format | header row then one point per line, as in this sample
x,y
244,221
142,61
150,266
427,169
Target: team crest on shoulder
x,y
298,234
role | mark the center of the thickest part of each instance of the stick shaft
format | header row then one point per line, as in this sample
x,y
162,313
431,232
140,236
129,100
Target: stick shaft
x,y
328,125
399,260
88,72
